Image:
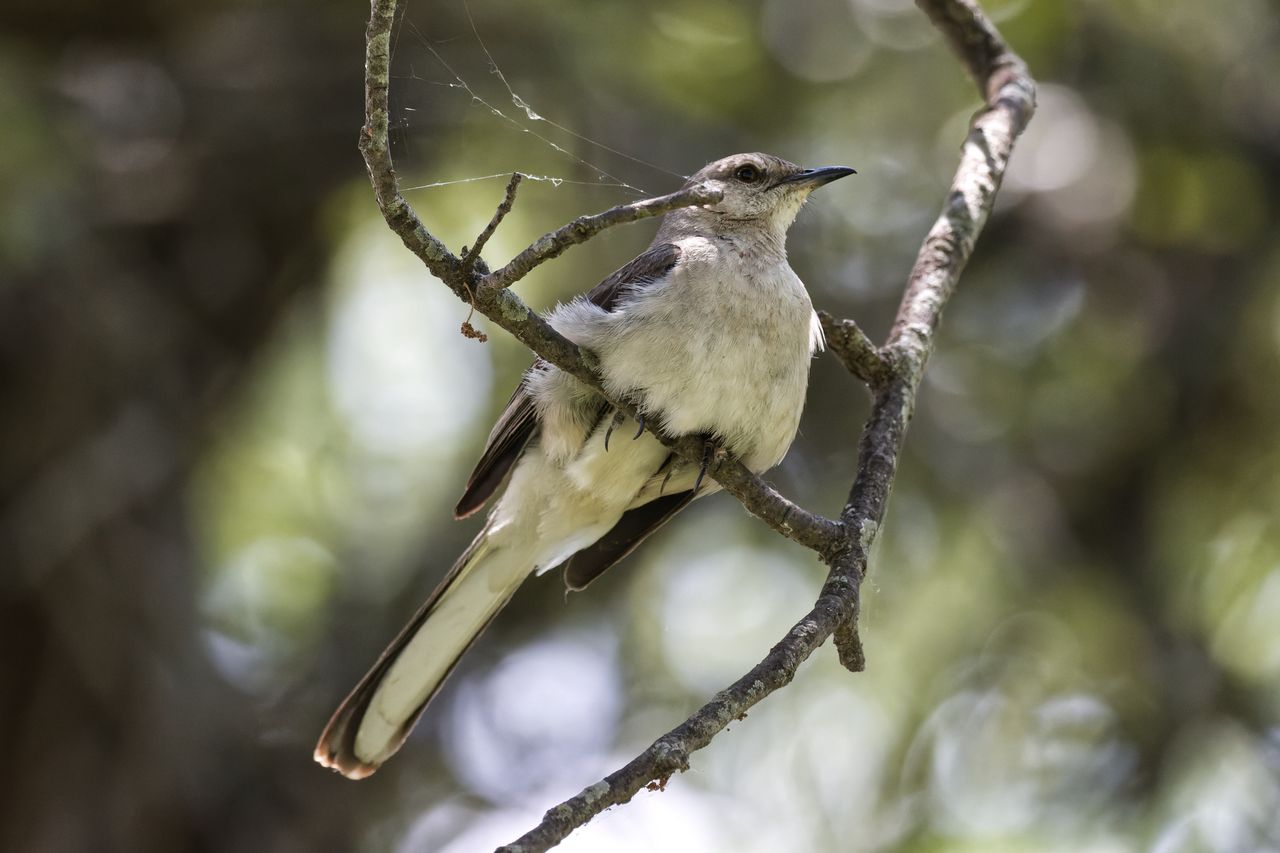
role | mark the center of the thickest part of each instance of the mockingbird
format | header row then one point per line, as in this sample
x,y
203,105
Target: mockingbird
x,y
708,332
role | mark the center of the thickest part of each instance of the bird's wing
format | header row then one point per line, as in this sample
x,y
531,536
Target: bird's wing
x,y
518,421
633,528
507,441
649,266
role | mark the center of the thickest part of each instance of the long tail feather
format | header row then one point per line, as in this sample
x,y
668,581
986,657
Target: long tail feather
x,y
371,723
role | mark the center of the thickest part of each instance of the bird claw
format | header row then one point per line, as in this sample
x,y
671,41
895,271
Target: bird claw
x,y
618,418
663,488
710,447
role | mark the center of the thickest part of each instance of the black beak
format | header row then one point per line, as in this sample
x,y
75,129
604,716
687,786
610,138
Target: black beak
x,y
815,178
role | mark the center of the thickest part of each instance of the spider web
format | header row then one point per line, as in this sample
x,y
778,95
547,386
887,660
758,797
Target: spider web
x,y
520,117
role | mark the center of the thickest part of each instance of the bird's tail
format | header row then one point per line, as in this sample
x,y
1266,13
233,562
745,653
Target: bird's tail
x,y
372,722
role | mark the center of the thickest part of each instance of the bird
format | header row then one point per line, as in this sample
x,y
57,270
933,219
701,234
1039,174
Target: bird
x,y
708,332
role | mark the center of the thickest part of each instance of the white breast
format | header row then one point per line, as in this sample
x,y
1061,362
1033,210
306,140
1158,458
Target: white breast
x,y
723,347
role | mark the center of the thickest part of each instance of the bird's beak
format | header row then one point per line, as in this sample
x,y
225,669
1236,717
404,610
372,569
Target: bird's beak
x,y
814,178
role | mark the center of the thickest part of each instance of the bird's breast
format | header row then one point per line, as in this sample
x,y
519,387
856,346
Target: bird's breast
x,y
720,348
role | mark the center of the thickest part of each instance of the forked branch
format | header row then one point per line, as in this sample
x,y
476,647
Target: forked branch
x,y
892,371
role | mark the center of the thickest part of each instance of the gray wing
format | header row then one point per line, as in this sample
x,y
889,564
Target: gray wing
x,y
647,267
518,422
634,527
515,426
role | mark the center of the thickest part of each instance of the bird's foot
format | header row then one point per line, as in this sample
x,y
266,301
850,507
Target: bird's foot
x,y
712,452
618,417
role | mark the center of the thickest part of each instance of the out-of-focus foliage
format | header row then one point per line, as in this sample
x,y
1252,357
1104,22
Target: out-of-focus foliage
x,y
237,414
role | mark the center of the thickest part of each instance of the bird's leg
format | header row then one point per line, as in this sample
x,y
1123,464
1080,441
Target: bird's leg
x,y
618,418
711,448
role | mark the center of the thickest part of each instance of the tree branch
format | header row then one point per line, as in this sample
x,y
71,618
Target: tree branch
x,y
1007,85
847,342
584,228
491,295
470,256
892,371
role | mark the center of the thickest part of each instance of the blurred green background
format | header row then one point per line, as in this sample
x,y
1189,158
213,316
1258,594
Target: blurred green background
x,y
236,414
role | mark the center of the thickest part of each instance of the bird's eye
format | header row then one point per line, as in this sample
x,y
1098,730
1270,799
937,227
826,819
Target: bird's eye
x,y
748,174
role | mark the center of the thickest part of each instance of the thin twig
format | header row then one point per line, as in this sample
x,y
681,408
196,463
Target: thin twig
x,y
471,259
470,256
670,753
847,342
584,228
376,147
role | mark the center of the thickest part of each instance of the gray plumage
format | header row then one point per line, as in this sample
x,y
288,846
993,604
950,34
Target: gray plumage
x,y
709,332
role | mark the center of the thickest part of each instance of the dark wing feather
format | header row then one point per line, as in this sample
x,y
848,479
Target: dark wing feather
x,y
506,442
518,422
649,266
632,529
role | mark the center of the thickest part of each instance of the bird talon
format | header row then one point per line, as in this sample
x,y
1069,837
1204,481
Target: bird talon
x,y
617,420
639,426
709,449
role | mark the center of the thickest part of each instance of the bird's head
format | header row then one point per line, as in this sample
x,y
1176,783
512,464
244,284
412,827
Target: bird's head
x,y
761,190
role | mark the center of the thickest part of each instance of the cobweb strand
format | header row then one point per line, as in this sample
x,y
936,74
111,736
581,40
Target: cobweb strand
x,y
548,179
533,115
460,83
605,179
